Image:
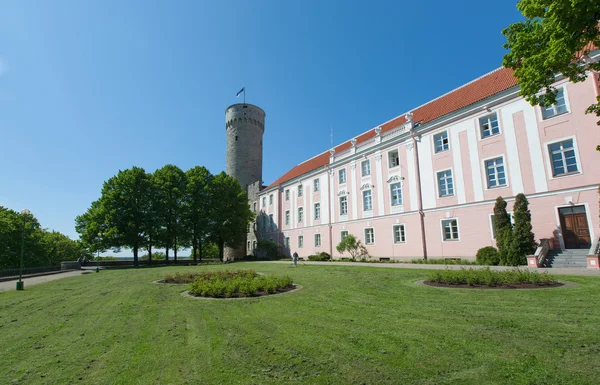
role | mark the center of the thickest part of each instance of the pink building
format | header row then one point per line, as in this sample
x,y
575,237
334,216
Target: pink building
x,y
425,183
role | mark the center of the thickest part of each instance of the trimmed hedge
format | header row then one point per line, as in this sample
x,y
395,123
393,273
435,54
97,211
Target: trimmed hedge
x,y
443,261
488,255
487,277
189,277
323,256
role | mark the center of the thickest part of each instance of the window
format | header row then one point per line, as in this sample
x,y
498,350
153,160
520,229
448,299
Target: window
x,y
317,211
369,236
562,155
299,190
248,230
344,205
367,200
445,185
287,194
286,242
254,244
343,234
366,167
396,190
254,206
271,222
264,201
317,185
512,221
494,169
489,125
300,241
342,176
287,217
399,234
317,240
271,200
560,107
300,214
441,141
393,159
450,229
248,245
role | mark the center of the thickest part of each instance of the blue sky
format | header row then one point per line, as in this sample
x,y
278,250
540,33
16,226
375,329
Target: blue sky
x,y
91,87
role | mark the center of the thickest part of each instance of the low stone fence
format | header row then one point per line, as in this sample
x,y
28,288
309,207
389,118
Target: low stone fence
x,y
7,273
162,262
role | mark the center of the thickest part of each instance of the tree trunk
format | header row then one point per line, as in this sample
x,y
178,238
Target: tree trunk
x,y
167,255
149,255
200,250
221,249
195,247
175,250
135,256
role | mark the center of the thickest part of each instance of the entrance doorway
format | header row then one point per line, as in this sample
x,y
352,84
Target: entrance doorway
x,y
575,230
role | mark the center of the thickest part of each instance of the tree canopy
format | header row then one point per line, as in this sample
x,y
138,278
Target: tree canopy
x,y
555,38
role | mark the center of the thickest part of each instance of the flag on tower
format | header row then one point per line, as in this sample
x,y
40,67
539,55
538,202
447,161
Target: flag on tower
x,y
240,92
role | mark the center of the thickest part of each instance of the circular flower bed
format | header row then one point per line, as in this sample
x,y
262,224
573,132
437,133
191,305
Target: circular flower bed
x,y
231,284
487,278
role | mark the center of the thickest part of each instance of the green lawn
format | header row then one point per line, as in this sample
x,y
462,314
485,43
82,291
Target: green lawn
x,y
347,325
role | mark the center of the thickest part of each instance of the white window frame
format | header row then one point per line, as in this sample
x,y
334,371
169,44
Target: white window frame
x,y
264,201
457,239
300,214
316,185
271,200
300,190
435,136
341,172
287,194
485,175
317,209
392,195
480,126
342,213
389,153
491,223
300,241
317,239
540,111
254,206
342,236
287,217
368,168
370,200
253,245
372,233
550,170
399,225
437,183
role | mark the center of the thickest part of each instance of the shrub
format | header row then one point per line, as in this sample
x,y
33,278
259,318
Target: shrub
x,y
487,277
524,239
443,261
266,250
488,256
354,247
323,256
241,283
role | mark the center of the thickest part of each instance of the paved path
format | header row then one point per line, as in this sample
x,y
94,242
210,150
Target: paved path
x,y
557,270
12,285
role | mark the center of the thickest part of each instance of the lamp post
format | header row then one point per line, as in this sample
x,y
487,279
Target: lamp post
x,y
98,258
20,285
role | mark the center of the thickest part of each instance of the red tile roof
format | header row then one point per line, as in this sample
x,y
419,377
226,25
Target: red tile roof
x,y
473,92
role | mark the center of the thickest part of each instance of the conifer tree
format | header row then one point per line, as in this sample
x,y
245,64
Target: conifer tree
x,y
524,238
503,229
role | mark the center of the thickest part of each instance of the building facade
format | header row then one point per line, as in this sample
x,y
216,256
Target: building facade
x,y
425,183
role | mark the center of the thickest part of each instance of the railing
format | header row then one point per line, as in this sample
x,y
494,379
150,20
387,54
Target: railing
x,y
542,251
28,270
595,248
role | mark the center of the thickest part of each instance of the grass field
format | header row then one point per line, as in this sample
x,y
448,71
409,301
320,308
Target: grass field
x,y
347,325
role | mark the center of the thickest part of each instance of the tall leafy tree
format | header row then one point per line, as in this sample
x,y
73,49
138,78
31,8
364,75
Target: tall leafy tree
x,y
229,213
125,203
503,229
555,38
170,183
524,238
195,208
